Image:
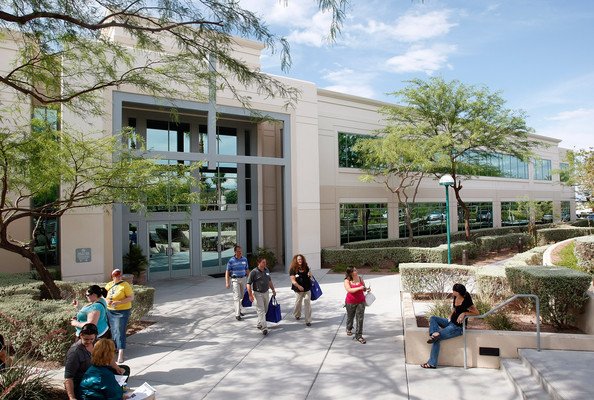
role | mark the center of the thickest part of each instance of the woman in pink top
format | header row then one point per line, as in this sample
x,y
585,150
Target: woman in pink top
x,y
355,302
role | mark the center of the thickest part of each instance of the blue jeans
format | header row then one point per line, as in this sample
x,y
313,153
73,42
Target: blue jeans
x,y
118,321
446,329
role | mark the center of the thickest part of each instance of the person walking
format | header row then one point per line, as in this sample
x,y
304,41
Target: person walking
x,y
237,270
355,303
301,285
258,284
119,304
443,329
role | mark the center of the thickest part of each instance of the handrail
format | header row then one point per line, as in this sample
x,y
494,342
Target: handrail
x,y
497,307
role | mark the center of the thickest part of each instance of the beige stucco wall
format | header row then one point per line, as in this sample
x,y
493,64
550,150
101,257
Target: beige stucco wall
x,y
351,114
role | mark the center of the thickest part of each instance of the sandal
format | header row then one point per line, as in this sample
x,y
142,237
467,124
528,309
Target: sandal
x,y
349,332
361,340
433,339
427,365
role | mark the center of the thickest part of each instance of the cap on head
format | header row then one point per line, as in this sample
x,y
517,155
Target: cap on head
x,y
116,272
89,329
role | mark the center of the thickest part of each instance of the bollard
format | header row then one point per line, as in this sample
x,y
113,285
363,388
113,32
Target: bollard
x,y
520,245
464,257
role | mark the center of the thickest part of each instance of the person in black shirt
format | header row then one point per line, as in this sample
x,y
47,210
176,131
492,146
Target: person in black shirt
x,y
442,328
301,285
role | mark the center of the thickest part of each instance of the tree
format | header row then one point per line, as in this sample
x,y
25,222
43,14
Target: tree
x,y
396,162
580,172
464,124
67,56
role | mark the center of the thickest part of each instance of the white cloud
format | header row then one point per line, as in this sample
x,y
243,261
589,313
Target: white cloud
x,y
415,27
421,59
347,80
411,27
315,33
573,114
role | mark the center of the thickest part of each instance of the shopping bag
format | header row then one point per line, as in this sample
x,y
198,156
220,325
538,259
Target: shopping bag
x,y
274,311
246,302
369,299
316,290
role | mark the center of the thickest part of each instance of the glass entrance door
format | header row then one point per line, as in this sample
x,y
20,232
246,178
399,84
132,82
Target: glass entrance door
x,y
218,240
169,250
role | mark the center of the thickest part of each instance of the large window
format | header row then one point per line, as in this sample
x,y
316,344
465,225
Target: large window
x,y
363,221
170,195
167,136
481,216
542,170
218,189
543,212
512,214
564,173
426,219
347,157
496,164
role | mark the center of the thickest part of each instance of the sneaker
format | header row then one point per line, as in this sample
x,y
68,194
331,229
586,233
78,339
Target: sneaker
x,y
259,326
238,318
297,318
308,324
265,332
241,314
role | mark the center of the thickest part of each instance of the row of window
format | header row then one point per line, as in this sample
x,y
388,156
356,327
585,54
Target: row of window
x,y
366,221
502,165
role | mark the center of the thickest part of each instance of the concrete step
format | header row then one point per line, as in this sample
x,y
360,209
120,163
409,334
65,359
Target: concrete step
x,y
526,384
564,374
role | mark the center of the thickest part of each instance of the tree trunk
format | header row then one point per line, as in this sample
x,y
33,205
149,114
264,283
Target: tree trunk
x,y
466,212
44,274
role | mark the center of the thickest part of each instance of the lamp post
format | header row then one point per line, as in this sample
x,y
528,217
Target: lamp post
x,y
447,181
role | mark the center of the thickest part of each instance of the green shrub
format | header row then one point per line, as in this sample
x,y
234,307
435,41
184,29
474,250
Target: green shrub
x,y
582,223
584,253
268,254
434,240
530,257
554,235
561,290
495,243
482,304
435,279
500,322
492,283
440,308
567,257
144,298
7,279
37,328
23,381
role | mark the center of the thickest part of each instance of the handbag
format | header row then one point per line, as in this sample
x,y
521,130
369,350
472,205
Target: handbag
x,y
274,311
316,290
369,299
246,302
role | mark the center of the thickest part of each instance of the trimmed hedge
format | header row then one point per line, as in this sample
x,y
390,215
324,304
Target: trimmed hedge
x,y
41,328
492,283
434,278
554,235
495,243
584,252
434,240
377,257
561,290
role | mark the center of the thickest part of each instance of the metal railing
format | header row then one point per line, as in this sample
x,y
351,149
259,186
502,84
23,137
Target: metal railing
x,y
495,309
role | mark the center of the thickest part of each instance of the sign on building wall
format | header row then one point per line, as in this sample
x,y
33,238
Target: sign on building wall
x,y
83,255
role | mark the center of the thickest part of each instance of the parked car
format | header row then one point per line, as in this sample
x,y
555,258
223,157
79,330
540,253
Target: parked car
x,y
436,216
484,215
547,218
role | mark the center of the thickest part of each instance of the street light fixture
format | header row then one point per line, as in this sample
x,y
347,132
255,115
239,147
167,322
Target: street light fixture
x,y
447,181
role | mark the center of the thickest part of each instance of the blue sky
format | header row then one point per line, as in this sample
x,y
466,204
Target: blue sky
x,y
538,53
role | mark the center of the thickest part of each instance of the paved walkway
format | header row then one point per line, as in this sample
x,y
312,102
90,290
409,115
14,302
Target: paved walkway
x,y
196,349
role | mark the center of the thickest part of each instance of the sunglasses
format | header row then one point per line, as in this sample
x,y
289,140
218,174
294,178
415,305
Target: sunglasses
x,y
88,294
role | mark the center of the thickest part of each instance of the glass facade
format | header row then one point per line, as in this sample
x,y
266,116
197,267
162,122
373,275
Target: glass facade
x,y
481,216
564,173
218,190
513,214
496,164
543,212
347,157
165,197
426,219
542,170
363,221
565,211
46,231
167,136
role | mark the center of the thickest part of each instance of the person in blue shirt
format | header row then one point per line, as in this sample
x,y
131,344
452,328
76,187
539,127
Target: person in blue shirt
x,y
237,270
99,382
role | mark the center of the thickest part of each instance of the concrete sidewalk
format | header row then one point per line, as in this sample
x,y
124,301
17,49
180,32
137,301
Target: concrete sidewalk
x,y
196,349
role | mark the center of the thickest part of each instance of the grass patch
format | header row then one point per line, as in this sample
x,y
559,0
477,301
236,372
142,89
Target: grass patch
x,y
567,257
